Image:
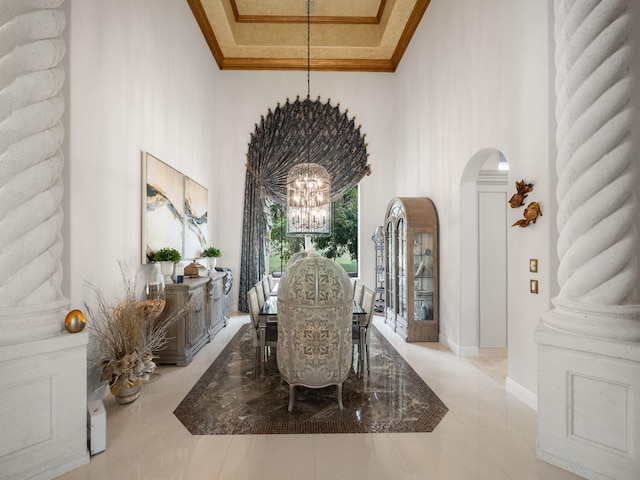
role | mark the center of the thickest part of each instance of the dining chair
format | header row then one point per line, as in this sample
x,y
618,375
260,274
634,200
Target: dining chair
x,y
270,332
272,282
260,291
358,291
361,330
252,301
315,308
265,287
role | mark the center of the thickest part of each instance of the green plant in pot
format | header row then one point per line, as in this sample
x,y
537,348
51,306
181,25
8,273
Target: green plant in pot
x,y
211,254
167,257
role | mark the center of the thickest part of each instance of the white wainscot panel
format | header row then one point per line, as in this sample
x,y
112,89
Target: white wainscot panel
x,y
30,421
599,412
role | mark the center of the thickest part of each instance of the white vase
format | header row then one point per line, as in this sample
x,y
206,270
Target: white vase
x,y
167,270
212,262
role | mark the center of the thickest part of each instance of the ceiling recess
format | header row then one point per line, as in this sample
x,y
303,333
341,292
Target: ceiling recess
x,y
354,35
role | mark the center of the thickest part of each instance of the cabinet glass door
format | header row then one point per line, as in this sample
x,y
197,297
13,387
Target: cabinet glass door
x,y
390,254
423,276
402,268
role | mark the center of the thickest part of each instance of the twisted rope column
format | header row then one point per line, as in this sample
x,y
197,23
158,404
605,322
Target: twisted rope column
x,y
598,271
31,134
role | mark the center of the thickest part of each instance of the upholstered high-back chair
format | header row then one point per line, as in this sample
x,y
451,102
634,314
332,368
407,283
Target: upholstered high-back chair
x,y
315,309
301,254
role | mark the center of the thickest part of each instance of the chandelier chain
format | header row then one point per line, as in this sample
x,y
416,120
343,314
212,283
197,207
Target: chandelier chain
x,y
308,49
308,184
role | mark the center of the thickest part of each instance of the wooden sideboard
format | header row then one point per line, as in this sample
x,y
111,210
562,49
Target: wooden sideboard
x,y
216,304
200,323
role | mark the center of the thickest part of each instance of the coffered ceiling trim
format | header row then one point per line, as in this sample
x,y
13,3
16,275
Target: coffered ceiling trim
x,y
336,50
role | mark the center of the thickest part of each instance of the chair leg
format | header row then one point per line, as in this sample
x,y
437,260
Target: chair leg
x,y
292,396
340,396
256,353
353,352
366,349
362,348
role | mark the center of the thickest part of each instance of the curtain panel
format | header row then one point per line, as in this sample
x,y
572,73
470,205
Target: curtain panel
x,y
303,131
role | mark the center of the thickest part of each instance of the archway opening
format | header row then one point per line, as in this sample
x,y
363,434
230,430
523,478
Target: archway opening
x,y
484,251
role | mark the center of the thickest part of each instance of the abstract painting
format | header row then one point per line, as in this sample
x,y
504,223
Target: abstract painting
x,y
174,210
195,218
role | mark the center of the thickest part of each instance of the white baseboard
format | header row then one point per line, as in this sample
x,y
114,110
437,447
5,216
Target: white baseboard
x,y
468,351
527,397
457,349
450,345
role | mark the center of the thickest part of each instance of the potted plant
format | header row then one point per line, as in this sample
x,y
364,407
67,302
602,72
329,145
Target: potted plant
x,y
212,254
127,334
167,257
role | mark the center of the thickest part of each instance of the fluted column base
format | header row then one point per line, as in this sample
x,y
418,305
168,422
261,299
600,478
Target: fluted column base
x,y
588,398
30,323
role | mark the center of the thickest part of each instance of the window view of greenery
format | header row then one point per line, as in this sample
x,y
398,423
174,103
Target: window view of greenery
x,y
341,246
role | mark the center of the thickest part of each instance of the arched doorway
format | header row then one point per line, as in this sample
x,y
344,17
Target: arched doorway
x,y
483,242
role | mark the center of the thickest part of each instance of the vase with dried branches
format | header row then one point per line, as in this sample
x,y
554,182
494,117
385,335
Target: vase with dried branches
x,y
127,334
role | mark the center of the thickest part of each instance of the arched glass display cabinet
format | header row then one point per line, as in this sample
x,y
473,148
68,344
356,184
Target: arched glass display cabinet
x,y
411,268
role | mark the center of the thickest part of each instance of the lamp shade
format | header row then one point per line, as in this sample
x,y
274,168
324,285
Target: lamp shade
x,y
308,201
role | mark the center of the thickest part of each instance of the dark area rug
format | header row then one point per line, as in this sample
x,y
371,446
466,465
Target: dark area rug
x,y
230,398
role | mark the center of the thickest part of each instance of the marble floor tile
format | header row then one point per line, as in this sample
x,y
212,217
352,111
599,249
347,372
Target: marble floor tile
x,y
235,397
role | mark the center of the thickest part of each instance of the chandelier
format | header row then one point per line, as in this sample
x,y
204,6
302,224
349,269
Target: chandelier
x,y
308,200
308,184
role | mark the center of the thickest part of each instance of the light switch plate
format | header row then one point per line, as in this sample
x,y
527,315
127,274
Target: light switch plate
x,y
533,286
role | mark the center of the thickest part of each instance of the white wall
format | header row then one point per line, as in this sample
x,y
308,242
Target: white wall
x,y
478,75
140,79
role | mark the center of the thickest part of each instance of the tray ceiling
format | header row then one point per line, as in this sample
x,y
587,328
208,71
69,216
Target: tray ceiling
x,y
346,35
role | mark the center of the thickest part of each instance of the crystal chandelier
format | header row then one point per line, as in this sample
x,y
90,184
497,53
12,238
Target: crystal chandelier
x,y
308,184
308,200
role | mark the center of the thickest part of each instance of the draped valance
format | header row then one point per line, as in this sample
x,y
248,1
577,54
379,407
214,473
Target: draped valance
x,y
280,141
293,133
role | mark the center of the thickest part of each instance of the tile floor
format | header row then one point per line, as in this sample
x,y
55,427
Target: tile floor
x,y
487,434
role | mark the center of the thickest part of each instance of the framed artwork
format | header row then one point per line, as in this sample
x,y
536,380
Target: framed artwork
x,y
174,210
195,218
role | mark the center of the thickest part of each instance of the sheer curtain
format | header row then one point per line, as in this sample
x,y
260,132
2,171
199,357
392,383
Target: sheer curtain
x,y
281,140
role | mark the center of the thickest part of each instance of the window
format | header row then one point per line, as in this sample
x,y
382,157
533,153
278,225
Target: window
x,y
341,246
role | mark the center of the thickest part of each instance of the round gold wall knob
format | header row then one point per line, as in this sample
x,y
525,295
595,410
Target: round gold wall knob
x,y
75,321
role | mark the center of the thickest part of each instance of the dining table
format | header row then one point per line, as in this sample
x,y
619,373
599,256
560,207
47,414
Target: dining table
x,y
269,316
